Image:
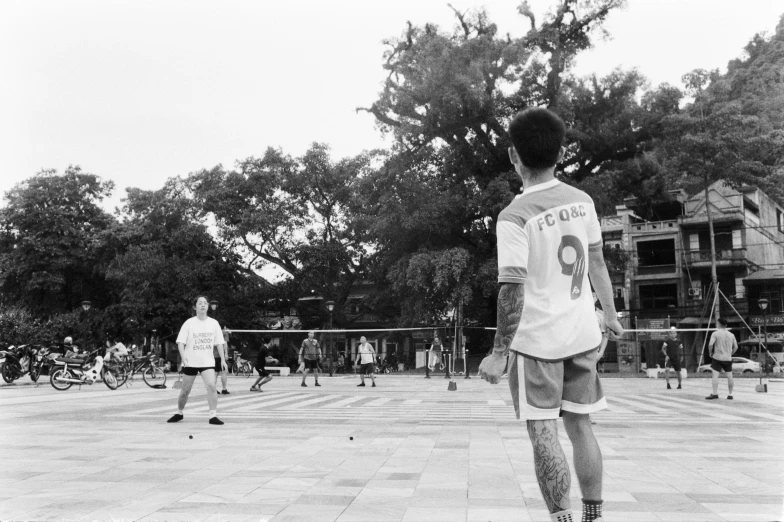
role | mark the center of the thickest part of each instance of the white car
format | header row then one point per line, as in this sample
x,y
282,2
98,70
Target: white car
x,y
739,364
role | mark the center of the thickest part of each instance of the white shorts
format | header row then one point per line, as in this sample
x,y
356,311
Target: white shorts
x,y
544,389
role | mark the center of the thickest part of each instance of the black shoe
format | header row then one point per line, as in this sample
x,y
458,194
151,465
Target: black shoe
x,y
679,386
374,385
317,384
216,421
225,392
669,387
729,397
303,384
711,397
358,385
175,418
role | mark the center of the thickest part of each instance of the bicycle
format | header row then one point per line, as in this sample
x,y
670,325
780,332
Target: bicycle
x,y
241,366
125,367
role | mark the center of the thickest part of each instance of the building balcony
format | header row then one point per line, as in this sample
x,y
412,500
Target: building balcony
x,y
726,257
696,307
727,215
655,226
656,270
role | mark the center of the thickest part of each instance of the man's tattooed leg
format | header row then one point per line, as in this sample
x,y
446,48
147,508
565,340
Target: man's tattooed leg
x,y
552,470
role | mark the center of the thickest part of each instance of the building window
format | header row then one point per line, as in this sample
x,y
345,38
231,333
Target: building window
x,y
659,297
656,253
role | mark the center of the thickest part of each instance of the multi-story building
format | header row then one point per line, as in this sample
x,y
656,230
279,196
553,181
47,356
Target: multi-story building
x,y
668,270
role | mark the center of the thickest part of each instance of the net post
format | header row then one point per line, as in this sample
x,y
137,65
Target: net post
x,y
427,364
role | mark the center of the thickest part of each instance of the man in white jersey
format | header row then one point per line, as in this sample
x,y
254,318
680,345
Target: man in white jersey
x,y
549,239
366,359
722,347
195,341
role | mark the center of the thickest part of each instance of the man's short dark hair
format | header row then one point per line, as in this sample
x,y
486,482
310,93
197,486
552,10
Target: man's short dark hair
x,y
537,135
266,340
722,321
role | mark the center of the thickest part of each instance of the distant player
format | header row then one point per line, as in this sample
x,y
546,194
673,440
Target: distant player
x,y
366,359
672,348
722,347
549,239
310,355
261,364
195,341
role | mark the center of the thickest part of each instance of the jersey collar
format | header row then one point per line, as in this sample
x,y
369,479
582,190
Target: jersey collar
x,y
542,186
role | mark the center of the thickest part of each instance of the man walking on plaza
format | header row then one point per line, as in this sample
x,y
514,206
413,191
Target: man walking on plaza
x,y
548,239
366,359
310,355
722,347
672,348
195,341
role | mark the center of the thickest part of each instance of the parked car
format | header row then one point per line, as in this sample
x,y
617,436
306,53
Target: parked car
x,y
739,365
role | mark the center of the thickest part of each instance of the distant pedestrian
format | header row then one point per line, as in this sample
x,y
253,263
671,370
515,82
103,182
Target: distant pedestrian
x,y
435,354
195,341
672,348
366,358
722,347
261,363
310,355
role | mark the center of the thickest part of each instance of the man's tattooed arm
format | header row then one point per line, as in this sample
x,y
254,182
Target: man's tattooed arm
x,y
510,307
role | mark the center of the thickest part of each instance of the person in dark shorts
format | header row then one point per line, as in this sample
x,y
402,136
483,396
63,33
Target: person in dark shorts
x,y
366,359
310,355
195,341
221,354
722,347
672,348
261,363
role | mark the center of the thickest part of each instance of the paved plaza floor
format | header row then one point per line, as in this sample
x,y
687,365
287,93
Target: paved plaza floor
x,y
419,453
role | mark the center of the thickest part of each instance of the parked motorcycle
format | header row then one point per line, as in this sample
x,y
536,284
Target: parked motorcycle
x,y
17,362
80,370
41,359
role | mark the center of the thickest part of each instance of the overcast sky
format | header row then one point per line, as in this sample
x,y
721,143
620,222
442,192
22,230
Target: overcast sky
x,y
138,91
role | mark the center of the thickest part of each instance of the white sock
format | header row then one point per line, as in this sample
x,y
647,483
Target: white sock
x,y
213,413
180,412
562,516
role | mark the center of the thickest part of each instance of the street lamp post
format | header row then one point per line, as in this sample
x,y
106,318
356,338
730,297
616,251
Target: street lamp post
x,y
214,305
330,308
763,304
86,305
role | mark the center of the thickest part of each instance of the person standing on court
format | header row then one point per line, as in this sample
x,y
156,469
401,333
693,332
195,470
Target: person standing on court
x,y
435,354
261,364
310,355
549,239
220,354
672,348
722,347
366,359
195,341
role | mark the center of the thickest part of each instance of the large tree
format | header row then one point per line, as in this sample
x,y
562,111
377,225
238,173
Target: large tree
x,y
301,217
448,100
161,256
50,240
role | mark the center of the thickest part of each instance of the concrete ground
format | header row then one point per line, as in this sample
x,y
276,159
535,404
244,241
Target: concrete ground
x,y
419,453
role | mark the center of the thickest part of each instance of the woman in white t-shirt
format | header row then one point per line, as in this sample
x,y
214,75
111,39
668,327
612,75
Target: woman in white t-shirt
x,y
195,341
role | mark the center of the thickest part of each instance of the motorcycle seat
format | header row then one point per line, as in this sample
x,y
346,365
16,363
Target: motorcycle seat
x,y
70,360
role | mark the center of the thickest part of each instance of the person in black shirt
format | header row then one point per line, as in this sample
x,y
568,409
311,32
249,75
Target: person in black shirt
x,y
672,348
261,363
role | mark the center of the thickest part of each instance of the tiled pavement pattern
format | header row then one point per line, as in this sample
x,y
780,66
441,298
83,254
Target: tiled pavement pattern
x,y
419,453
